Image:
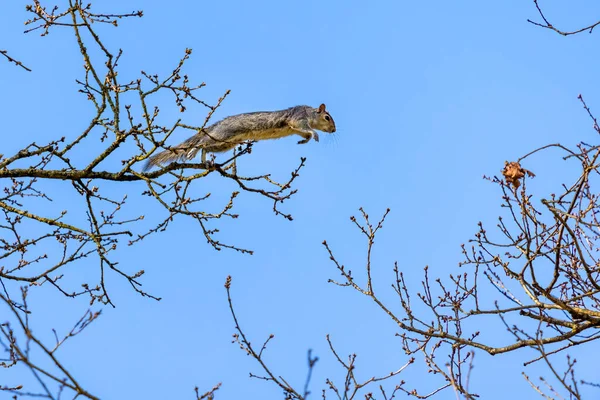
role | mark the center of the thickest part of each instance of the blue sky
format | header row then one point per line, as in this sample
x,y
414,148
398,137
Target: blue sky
x,y
427,96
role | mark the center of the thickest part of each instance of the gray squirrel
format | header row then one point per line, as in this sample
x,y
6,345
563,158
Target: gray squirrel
x,y
234,130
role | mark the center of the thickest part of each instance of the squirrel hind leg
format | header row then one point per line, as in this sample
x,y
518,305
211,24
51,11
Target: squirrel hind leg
x,y
189,153
232,167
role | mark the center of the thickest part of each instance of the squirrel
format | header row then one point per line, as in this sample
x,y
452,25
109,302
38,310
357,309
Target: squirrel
x,y
234,130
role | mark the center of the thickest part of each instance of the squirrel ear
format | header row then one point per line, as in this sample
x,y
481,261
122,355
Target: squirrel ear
x,y
322,108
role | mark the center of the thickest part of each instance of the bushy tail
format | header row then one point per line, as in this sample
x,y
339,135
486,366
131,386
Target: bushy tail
x,y
184,151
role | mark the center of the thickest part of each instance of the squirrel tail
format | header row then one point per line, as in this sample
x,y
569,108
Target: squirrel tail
x,y
184,151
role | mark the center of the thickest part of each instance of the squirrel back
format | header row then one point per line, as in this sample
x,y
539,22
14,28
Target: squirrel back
x,y
234,130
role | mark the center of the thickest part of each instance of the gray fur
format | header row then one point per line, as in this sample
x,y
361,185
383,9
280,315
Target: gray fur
x,y
232,131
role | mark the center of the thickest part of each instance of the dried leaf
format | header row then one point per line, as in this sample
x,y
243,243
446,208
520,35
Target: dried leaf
x,y
513,172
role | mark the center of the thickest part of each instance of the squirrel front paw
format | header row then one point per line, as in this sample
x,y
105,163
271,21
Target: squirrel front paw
x,y
314,135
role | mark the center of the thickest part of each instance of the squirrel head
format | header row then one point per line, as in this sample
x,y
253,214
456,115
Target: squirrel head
x,y
324,121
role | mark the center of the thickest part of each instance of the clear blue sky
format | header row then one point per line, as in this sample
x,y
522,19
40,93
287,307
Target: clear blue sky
x,y
427,97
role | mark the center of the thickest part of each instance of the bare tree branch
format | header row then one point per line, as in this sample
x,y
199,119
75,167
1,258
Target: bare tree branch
x,y
547,25
99,167
543,264
13,60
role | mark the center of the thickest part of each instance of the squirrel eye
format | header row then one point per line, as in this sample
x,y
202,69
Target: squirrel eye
x,y
327,118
